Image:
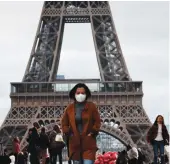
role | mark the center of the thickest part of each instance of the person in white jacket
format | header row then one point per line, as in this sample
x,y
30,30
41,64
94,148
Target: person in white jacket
x,y
133,155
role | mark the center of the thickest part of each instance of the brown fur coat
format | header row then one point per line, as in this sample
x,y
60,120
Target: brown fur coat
x,y
91,124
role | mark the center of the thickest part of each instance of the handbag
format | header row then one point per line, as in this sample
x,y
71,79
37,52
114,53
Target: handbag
x,y
59,138
59,142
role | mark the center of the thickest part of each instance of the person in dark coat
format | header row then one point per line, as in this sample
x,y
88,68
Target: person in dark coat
x,y
21,158
44,144
141,157
26,156
158,137
55,147
6,159
122,157
33,146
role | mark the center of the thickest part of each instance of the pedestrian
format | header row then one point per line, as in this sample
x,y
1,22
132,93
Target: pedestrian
x,y
21,158
26,156
16,148
122,157
55,146
6,159
44,144
141,157
81,123
34,145
158,137
133,155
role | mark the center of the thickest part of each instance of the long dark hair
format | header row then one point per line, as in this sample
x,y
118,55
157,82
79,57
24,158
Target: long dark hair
x,y
155,123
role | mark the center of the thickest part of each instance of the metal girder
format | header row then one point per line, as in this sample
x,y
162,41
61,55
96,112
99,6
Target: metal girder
x,y
44,60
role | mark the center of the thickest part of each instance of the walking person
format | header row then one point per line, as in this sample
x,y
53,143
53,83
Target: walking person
x,y
158,137
132,154
141,157
44,144
56,146
6,159
33,146
26,155
16,148
21,158
81,123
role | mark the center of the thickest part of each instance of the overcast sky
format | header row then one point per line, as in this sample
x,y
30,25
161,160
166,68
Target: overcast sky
x,y
142,29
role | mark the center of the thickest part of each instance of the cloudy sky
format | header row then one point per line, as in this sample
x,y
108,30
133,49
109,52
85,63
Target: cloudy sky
x,y
142,29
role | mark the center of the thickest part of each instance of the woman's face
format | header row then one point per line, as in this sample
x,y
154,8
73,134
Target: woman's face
x,y
80,95
159,119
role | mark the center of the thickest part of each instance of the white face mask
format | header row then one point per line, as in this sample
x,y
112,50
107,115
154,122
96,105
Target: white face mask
x,y
80,97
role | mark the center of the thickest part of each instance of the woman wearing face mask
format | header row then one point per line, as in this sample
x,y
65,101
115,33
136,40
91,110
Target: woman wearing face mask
x,y
158,136
81,123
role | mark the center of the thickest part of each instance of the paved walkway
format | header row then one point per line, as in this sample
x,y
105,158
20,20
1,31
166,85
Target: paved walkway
x,y
13,159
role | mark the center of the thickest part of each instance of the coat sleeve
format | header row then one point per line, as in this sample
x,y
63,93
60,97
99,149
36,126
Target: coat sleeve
x,y
167,135
65,122
96,119
149,135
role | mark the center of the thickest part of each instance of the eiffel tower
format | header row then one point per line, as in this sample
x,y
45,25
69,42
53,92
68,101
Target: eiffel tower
x,y
42,98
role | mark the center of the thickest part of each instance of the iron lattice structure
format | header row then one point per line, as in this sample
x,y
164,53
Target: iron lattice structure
x,y
41,98
44,60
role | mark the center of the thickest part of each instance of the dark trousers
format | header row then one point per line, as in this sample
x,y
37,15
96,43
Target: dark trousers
x,y
34,158
53,157
158,145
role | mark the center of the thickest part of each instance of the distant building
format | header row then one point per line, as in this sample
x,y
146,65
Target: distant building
x,y
61,77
